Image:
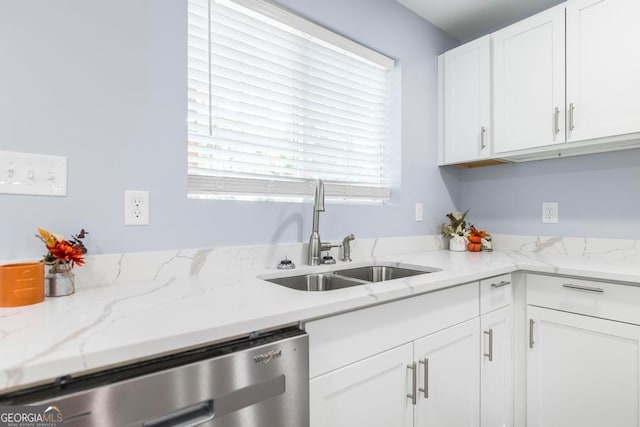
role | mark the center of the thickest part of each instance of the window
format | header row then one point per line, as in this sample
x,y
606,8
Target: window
x,y
276,102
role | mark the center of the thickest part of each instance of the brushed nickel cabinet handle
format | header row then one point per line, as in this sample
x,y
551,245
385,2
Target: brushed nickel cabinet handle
x,y
556,121
483,132
490,353
531,342
571,109
425,390
414,372
501,284
583,288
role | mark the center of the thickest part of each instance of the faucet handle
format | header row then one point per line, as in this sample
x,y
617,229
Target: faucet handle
x,y
327,258
326,246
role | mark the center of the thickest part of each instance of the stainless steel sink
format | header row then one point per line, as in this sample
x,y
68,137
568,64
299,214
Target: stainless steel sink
x,y
316,282
382,272
340,279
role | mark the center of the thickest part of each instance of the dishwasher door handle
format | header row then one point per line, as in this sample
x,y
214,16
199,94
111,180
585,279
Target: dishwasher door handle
x,y
189,416
219,406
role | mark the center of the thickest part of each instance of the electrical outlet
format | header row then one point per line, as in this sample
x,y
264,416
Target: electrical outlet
x,y
419,213
550,212
136,207
137,202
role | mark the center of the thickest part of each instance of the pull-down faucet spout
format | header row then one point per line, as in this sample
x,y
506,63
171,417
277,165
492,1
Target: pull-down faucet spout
x,y
314,241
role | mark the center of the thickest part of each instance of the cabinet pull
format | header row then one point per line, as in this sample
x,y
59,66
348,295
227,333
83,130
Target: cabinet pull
x,y
425,390
490,353
414,372
571,108
483,132
556,121
531,342
583,288
501,284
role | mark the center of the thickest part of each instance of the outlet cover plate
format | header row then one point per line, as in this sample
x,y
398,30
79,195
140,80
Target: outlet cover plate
x,y
136,207
550,212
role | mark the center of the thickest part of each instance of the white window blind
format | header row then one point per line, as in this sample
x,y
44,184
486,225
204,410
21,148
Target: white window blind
x,y
275,102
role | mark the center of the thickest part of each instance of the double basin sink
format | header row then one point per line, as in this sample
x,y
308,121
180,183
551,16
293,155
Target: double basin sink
x,y
340,279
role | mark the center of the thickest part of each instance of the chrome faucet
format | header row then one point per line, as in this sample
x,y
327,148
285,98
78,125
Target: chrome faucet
x,y
315,245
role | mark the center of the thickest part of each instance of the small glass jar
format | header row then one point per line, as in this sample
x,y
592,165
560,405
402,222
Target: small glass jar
x,y
59,280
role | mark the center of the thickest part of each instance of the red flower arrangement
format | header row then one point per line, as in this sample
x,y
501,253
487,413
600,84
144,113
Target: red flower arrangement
x,y
63,252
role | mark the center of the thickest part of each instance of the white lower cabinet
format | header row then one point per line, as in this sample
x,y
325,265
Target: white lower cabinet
x,y
371,392
447,358
449,377
379,390
496,369
415,362
582,371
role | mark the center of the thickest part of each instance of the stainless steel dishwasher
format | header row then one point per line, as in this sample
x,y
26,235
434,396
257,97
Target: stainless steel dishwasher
x,y
258,381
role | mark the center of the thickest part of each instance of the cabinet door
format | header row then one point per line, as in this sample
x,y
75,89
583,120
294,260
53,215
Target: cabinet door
x,y
372,392
582,371
496,404
449,377
603,65
467,105
529,73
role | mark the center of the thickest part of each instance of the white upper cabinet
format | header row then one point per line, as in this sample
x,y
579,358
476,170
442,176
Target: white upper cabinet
x,y
467,102
603,68
562,82
529,82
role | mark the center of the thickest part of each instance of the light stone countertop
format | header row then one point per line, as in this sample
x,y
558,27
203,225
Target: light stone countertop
x,y
120,320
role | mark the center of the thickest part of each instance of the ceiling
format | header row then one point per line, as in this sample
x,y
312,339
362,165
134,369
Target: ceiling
x,y
467,19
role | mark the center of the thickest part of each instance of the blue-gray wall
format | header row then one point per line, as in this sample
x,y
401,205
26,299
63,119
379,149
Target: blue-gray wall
x,y
104,83
598,195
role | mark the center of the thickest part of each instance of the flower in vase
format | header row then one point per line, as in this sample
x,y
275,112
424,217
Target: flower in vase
x,y
63,253
457,226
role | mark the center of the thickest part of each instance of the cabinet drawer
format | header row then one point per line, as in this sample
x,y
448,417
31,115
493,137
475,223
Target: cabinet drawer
x,y
592,298
495,293
346,338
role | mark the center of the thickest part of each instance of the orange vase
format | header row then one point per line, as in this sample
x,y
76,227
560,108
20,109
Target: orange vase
x,y
21,284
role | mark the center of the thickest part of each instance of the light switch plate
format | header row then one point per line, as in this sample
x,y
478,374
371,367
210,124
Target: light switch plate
x,y
32,174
